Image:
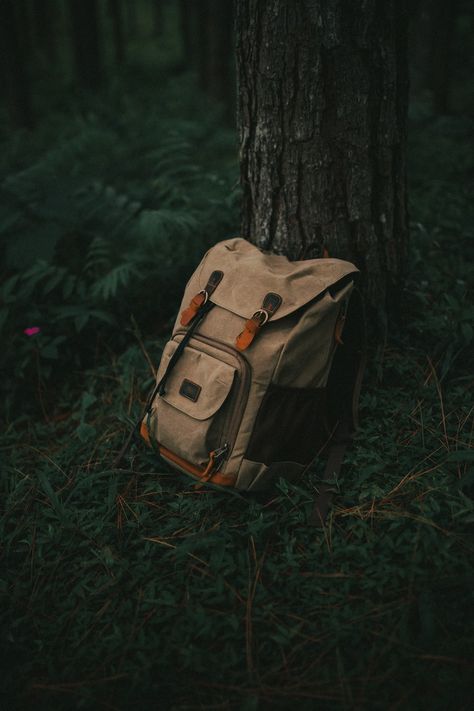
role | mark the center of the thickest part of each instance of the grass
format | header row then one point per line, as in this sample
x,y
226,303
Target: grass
x,y
130,588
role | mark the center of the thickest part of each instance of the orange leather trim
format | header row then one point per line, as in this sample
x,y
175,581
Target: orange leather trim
x,y
244,339
188,314
202,474
217,478
144,433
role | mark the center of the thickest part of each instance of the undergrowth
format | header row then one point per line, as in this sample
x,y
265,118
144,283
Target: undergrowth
x,y
130,588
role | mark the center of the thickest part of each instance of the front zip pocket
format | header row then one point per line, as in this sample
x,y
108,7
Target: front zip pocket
x,y
202,406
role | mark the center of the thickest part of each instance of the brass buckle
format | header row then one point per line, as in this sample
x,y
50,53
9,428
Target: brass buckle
x,y
206,296
261,314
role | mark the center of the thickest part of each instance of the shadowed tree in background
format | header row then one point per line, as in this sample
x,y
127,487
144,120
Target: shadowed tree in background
x,y
22,11
85,38
443,24
44,13
115,13
219,50
158,17
207,39
131,18
188,29
323,93
13,70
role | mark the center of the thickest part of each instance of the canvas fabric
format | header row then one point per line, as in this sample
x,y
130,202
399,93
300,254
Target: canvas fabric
x,y
262,408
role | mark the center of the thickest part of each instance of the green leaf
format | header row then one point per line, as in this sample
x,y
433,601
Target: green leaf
x,y
85,432
50,351
81,320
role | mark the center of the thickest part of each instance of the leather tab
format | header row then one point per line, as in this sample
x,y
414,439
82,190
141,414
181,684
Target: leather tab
x,y
196,302
271,304
201,298
214,281
144,433
244,339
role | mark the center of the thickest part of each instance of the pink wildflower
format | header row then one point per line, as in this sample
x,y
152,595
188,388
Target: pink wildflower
x,y
32,330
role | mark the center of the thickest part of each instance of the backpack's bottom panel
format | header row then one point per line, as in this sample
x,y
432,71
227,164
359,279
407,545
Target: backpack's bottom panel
x,y
252,476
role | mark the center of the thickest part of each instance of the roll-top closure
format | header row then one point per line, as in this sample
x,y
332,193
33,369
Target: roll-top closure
x,y
199,385
250,274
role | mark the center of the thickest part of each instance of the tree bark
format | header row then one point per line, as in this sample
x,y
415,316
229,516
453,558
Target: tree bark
x,y
323,93
85,35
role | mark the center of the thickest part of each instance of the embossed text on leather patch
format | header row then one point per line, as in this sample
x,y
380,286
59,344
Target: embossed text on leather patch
x,y
190,390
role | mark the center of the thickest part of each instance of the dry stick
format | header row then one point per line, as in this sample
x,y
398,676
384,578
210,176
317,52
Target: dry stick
x,y
137,334
124,449
440,395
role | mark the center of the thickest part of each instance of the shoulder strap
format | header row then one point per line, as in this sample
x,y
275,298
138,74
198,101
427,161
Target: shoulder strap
x,y
344,385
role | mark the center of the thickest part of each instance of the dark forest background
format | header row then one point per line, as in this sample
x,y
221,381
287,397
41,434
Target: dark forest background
x,y
118,168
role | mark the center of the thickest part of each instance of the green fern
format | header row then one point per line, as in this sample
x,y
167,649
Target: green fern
x,y
117,278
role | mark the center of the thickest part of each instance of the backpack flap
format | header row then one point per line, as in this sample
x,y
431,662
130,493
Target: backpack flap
x,y
250,275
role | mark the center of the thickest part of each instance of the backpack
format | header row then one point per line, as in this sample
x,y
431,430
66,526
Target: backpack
x,y
256,380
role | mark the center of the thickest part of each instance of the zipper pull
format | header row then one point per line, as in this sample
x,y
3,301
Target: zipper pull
x,y
216,457
219,456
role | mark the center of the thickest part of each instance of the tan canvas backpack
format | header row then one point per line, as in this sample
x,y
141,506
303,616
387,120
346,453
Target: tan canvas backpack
x,y
255,380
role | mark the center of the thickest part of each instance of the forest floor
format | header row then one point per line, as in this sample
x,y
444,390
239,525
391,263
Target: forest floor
x,y
130,588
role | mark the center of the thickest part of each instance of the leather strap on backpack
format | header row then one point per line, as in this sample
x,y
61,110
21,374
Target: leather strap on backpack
x,y
270,305
201,298
344,385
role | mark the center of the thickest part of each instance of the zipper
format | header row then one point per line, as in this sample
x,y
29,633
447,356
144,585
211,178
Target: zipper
x,y
240,397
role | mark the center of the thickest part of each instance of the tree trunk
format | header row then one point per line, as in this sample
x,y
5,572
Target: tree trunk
x,y
323,94
85,35
14,75
115,13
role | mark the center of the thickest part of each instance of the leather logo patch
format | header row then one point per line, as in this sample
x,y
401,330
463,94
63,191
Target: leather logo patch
x,y
190,390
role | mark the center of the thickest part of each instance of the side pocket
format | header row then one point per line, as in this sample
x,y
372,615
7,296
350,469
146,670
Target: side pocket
x,y
291,425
